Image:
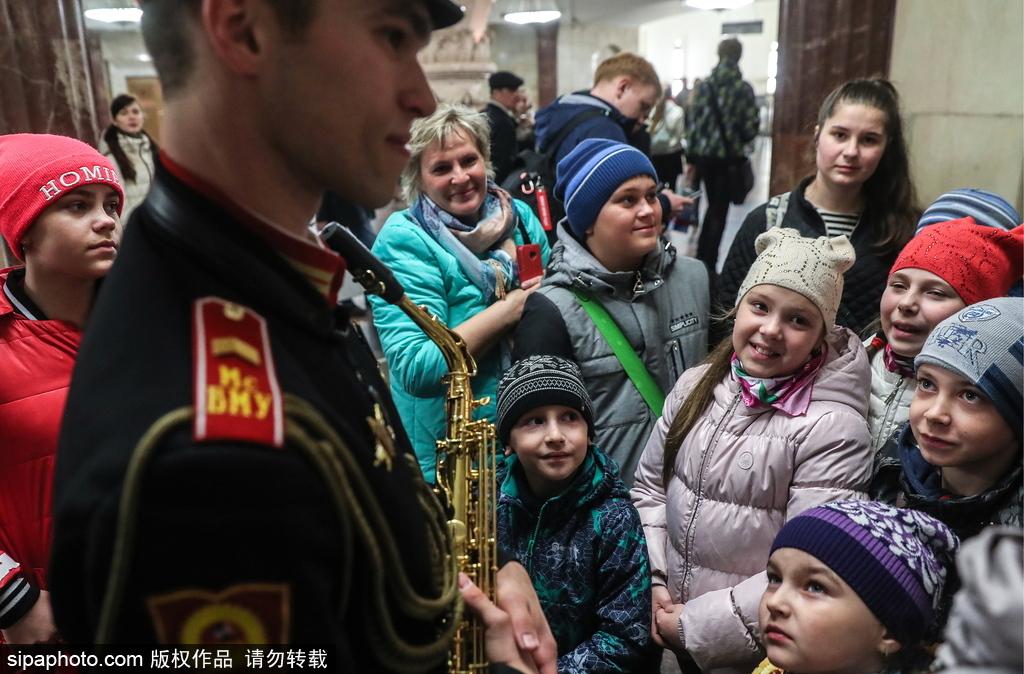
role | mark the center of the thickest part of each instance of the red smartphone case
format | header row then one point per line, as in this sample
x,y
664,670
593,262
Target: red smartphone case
x,y
528,257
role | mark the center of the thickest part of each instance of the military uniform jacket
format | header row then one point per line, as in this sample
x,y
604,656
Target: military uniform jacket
x,y
247,528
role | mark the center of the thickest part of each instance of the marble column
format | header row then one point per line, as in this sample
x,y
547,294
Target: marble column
x,y
51,77
822,43
547,63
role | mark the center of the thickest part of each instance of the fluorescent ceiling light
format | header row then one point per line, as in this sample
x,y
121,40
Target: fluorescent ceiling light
x,y
542,16
716,4
531,11
115,14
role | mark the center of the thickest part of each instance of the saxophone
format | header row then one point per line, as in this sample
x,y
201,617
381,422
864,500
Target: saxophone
x,y
465,457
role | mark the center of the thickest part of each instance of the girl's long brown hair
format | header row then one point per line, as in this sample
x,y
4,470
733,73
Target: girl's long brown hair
x,y
890,200
696,403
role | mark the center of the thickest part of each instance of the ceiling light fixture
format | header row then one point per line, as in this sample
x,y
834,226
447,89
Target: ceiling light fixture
x,y
115,14
532,11
716,4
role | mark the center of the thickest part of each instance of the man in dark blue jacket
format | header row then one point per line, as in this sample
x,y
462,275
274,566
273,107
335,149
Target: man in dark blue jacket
x,y
626,89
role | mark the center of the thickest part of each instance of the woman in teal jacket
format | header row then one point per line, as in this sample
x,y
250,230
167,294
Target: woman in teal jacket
x,y
454,251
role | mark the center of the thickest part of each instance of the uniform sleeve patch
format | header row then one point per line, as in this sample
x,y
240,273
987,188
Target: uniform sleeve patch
x,y
253,613
237,395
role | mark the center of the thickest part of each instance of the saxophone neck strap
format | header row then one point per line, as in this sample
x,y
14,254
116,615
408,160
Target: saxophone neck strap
x,y
631,363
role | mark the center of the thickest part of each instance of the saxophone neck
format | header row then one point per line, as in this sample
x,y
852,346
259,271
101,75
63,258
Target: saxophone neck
x,y
453,346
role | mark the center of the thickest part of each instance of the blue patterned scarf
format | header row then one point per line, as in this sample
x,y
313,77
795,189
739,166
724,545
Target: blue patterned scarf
x,y
494,275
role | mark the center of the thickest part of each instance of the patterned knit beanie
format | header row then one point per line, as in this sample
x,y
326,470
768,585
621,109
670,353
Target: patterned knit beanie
x,y
987,208
895,560
979,262
538,381
36,169
984,344
590,174
812,267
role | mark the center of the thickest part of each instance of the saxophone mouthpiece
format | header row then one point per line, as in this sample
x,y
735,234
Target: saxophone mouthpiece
x,y
365,267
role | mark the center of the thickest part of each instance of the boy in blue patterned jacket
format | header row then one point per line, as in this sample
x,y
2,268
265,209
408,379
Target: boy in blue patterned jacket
x,y
565,514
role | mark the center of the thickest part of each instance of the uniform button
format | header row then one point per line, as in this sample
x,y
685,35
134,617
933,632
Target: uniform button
x,y
746,460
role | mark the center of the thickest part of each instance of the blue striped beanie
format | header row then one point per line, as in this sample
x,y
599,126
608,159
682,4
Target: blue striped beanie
x,y
984,344
589,175
987,208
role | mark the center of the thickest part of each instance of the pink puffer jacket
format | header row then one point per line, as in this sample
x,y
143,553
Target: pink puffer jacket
x,y
739,476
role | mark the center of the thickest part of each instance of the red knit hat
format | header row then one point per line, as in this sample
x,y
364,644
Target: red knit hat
x,y
36,169
979,262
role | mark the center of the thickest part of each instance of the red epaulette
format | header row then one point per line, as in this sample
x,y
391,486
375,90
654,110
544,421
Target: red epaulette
x,y
236,393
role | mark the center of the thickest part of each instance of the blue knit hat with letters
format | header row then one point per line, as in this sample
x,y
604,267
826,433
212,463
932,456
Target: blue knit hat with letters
x,y
984,344
987,208
590,174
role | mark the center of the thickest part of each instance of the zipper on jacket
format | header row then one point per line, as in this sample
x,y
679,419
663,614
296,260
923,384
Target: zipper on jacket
x,y
533,539
700,494
639,286
885,427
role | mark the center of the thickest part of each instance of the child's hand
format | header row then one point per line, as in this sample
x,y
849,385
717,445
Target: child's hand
x,y
660,600
667,619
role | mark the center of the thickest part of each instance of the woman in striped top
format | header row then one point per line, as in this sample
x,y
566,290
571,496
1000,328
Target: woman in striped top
x,y
861,188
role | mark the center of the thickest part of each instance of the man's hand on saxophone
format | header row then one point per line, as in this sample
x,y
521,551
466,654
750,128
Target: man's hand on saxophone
x,y
512,629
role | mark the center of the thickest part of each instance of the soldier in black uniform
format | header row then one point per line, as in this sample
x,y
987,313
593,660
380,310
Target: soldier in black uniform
x,y
231,466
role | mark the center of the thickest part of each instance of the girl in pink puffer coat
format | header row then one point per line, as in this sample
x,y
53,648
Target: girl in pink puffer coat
x,y
773,423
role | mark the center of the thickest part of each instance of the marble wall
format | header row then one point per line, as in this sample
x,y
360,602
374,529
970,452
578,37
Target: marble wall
x,y
959,66
50,73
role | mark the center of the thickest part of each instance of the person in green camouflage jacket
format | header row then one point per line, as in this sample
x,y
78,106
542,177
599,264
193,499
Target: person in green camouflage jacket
x,y
708,151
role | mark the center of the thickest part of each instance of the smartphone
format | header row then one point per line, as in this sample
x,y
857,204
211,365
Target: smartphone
x,y
528,258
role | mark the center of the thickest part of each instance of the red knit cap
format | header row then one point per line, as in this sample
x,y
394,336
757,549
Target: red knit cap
x,y
979,262
36,169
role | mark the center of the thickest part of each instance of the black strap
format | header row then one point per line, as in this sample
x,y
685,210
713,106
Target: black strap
x,y
718,114
564,132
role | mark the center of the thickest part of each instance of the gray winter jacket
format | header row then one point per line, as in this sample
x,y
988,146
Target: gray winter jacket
x,y
663,312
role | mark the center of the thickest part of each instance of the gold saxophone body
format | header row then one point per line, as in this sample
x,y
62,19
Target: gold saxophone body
x,y
465,457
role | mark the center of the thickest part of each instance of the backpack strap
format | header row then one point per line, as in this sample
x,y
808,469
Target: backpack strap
x,y
569,127
631,363
775,213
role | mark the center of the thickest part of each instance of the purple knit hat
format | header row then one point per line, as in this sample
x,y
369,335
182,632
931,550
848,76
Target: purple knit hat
x,y
895,560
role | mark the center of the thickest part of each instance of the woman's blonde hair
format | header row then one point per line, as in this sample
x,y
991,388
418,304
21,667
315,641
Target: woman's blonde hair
x,y
449,118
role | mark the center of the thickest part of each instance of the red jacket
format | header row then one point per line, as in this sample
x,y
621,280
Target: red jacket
x,y
36,358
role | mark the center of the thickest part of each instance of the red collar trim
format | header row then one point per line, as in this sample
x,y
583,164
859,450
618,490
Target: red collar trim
x,y
322,267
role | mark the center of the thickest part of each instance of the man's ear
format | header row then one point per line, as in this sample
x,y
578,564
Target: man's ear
x,y
234,29
622,85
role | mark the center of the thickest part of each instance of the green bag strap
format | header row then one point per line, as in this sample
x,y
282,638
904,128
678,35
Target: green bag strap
x,y
638,374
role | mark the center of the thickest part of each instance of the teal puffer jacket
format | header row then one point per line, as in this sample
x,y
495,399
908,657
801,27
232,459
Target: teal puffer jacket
x,y
432,277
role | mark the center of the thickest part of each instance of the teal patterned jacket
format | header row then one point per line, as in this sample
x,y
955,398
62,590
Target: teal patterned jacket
x,y
740,116
585,551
